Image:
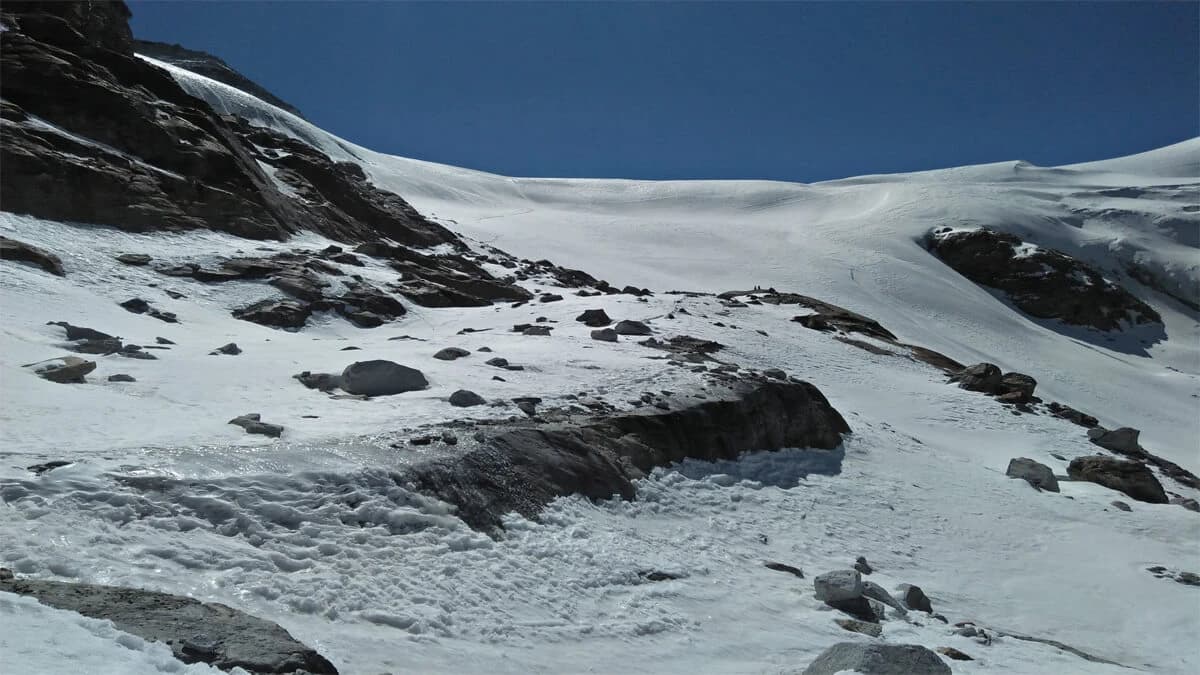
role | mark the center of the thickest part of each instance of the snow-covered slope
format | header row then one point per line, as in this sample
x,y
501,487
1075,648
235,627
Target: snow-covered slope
x,y
311,531
856,242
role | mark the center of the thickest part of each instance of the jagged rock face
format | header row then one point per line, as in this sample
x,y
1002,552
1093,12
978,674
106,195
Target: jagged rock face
x,y
212,67
1041,282
141,154
524,469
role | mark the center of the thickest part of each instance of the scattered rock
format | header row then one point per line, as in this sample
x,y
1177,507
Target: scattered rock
x,y
1071,415
106,346
984,377
1036,474
451,353
864,627
876,592
253,424
628,327
658,575
1017,383
135,259
163,341
422,440
64,369
877,658
121,377
81,333
775,374
780,567
275,313
39,469
230,349
861,564
537,330
550,297
914,598
527,407
320,381
140,306
952,653
1123,441
497,361
605,335
381,378
449,438
1120,505
1131,478
195,631
464,398
11,249
594,318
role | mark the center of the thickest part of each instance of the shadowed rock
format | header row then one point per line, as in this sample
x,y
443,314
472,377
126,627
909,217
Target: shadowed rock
x,y
1131,478
194,631
381,378
19,251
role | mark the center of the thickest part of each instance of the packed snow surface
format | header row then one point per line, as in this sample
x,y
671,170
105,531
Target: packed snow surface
x,y
309,530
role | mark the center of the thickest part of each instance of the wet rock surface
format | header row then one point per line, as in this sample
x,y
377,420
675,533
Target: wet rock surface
x,y
195,631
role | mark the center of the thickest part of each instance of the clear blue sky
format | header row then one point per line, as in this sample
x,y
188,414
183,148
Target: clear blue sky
x,y
790,91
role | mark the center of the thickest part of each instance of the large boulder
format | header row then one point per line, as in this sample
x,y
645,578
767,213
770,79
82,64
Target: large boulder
x,y
195,631
11,249
838,585
914,598
984,377
1017,383
1036,474
874,591
605,335
629,327
1131,478
451,353
381,378
465,398
877,658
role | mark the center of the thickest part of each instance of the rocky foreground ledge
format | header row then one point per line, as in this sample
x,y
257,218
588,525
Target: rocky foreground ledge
x,y
523,468
195,631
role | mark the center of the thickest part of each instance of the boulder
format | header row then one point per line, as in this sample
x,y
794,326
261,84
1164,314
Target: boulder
x,y
105,346
1123,441
64,370
451,353
11,249
135,259
914,598
1071,415
381,378
952,653
864,627
877,658
230,349
275,313
1131,478
253,424
195,631
984,377
838,585
775,374
121,377
1016,383
594,318
605,335
629,327
497,361
876,592
861,564
550,297
1036,474
464,398
537,330
863,608
320,381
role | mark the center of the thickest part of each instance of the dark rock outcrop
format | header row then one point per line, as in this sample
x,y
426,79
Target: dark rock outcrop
x,y
630,327
275,313
11,249
524,468
1041,282
203,63
984,377
464,398
1131,478
64,370
253,424
195,631
1124,441
595,318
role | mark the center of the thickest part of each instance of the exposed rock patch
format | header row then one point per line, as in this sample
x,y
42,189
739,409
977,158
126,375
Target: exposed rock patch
x,y
1036,474
1131,478
19,251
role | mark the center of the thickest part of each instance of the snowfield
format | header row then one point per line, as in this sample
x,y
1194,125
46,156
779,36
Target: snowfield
x,y
309,530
